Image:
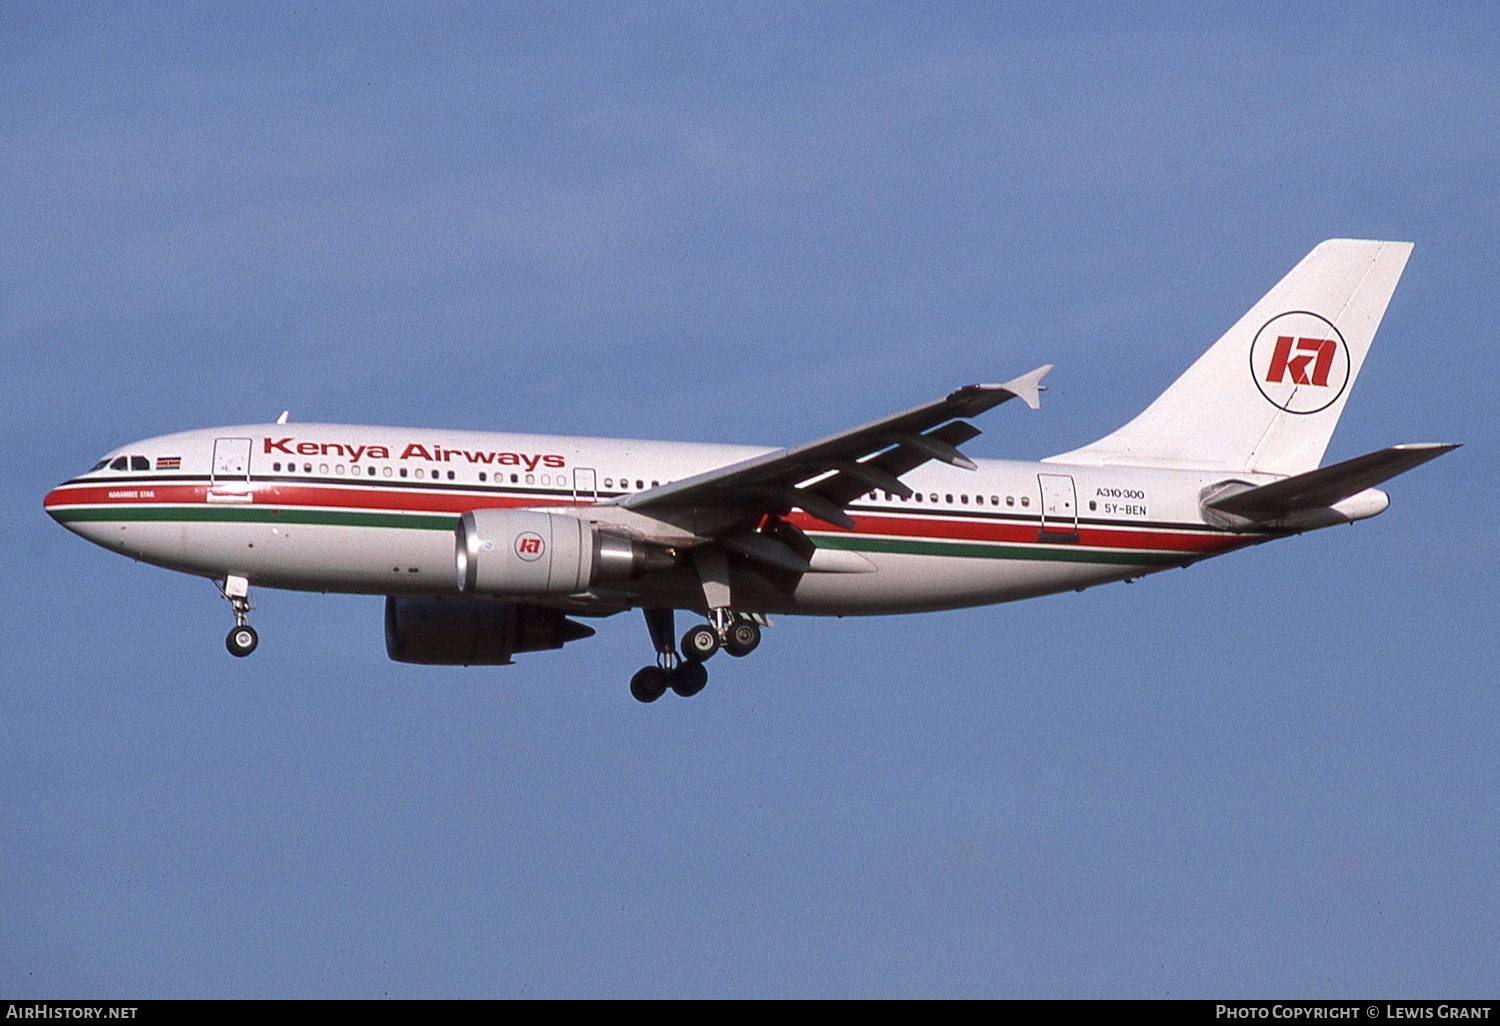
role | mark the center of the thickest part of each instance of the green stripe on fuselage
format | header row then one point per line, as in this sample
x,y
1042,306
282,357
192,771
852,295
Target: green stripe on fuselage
x,y
1002,550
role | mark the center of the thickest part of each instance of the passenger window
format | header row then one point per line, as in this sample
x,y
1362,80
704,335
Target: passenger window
x,y
514,478
964,499
450,475
481,476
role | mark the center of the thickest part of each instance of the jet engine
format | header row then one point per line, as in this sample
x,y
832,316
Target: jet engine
x,y
524,553
471,632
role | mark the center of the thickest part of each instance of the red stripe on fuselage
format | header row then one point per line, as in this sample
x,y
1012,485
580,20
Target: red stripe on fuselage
x,y
430,500
356,497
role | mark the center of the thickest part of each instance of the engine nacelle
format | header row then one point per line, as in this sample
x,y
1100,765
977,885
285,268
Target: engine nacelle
x,y
525,553
471,632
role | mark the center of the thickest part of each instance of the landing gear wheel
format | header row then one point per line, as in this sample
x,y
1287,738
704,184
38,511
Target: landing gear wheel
x,y
743,637
699,643
648,684
242,640
689,678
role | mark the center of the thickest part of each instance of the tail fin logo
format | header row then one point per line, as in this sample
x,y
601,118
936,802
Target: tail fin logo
x,y
1300,362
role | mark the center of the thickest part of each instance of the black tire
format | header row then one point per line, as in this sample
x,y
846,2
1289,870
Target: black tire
x,y
699,643
689,679
744,635
648,684
242,641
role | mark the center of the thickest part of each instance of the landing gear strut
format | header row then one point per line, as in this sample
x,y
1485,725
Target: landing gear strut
x,y
736,633
242,638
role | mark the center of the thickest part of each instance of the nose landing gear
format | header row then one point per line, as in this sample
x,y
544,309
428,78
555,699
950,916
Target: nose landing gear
x,y
242,638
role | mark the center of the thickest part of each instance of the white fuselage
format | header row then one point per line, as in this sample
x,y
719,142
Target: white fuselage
x,y
373,510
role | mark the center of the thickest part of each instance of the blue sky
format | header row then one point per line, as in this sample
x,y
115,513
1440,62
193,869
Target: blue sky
x,y
1271,774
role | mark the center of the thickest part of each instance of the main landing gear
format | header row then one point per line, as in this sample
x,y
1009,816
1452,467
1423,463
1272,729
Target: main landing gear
x,y
242,638
735,633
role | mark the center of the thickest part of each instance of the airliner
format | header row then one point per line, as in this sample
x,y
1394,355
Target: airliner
x,y
488,544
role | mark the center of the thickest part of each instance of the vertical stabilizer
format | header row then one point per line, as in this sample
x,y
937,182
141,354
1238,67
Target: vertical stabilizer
x,y
1266,396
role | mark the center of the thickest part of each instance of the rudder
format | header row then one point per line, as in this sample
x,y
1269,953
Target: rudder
x,y
1266,396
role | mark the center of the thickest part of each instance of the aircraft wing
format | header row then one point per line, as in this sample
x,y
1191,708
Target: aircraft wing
x,y
823,477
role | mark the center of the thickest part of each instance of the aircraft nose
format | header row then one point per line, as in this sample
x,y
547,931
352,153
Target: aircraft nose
x,y
52,503
56,504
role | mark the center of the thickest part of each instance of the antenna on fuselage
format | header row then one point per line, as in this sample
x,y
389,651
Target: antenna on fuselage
x,y
282,419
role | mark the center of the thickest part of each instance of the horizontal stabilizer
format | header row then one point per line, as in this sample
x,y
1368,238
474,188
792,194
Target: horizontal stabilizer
x,y
1328,485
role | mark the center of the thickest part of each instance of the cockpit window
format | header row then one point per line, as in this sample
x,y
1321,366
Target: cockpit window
x,y
120,463
100,465
139,463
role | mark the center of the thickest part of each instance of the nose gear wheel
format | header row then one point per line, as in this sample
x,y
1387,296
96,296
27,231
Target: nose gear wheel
x,y
242,639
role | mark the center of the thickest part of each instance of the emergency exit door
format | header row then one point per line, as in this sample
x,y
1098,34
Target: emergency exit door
x,y
585,485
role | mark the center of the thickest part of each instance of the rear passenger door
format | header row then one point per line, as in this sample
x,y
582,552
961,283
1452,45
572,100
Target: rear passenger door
x,y
1059,504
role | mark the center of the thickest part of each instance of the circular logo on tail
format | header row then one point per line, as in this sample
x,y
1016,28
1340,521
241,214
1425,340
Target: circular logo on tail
x,y
1300,362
